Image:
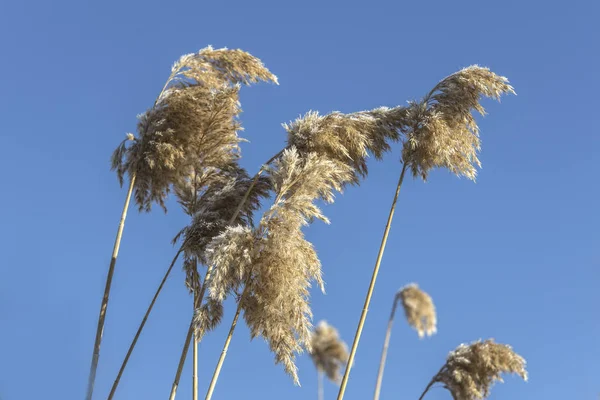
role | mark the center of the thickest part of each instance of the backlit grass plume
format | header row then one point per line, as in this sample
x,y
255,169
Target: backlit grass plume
x,y
195,117
441,130
438,131
471,370
419,309
420,314
348,138
328,352
274,262
192,127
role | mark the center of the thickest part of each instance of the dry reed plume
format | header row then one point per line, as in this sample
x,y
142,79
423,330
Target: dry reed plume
x,y
347,138
441,131
438,131
329,353
193,121
419,309
191,131
216,207
471,370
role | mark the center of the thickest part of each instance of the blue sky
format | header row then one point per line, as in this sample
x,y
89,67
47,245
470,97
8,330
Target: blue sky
x,y
514,256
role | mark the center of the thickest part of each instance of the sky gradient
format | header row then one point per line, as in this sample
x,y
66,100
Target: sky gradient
x,y
514,256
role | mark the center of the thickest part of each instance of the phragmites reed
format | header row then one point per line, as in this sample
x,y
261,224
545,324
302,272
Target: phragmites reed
x,y
274,261
419,309
438,131
441,131
347,138
216,207
471,370
328,352
194,118
191,131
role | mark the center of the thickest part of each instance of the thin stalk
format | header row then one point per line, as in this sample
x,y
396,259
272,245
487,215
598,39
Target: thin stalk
x,y
363,315
426,389
215,377
189,335
321,393
104,304
195,358
142,324
386,344
430,384
111,270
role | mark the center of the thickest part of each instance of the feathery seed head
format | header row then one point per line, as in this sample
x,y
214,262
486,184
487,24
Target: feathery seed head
x,y
441,131
471,370
328,352
193,124
347,138
274,260
214,208
419,309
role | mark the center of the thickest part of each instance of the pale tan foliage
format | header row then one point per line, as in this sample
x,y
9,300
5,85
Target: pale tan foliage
x,y
274,260
419,309
193,124
441,131
348,138
328,352
471,370
213,207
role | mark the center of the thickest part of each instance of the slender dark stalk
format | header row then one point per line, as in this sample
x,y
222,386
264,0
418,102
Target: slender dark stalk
x,y
105,297
189,334
386,344
142,324
431,383
363,315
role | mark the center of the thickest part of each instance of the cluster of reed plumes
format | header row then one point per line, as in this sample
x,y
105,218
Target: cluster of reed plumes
x,y
188,143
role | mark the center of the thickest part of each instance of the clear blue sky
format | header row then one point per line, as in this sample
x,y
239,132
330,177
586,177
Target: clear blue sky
x,y
514,256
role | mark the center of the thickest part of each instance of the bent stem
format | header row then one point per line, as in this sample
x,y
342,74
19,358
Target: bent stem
x,y
431,383
189,334
105,297
386,344
363,315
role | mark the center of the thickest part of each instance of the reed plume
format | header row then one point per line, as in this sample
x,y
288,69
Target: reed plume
x,y
347,138
420,314
438,131
192,127
419,309
328,352
471,370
